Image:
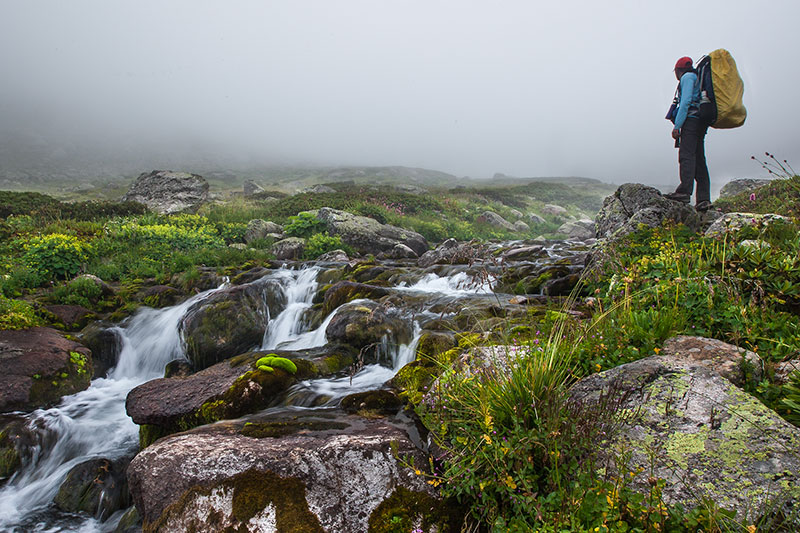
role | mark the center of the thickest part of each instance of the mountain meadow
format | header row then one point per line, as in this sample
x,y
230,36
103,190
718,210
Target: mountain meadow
x,y
397,350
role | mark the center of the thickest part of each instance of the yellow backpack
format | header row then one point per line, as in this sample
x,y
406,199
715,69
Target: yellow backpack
x,y
721,90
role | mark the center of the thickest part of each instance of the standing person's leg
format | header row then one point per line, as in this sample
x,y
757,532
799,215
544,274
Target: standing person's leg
x,y
701,168
687,156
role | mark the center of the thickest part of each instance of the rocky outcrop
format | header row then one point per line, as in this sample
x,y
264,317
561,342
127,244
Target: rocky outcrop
x,y
39,367
165,191
634,204
734,187
367,235
231,321
704,436
299,473
104,343
734,222
72,317
735,364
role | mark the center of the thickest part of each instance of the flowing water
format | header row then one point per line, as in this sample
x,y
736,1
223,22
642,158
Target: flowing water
x,y
93,423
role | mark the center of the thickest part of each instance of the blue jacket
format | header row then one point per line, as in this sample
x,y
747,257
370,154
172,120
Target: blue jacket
x,y
689,98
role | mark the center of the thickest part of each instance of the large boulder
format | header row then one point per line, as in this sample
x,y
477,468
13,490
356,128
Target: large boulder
x,y
289,248
165,191
104,342
580,230
634,204
230,321
367,235
39,367
250,187
706,438
297,473
734,187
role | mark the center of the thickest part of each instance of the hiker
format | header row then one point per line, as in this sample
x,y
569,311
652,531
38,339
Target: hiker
x,y
689,133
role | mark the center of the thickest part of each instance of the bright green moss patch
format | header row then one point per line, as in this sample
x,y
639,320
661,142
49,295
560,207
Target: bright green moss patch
x,y
272,361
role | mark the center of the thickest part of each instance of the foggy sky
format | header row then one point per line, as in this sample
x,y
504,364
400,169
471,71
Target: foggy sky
x,y
569,88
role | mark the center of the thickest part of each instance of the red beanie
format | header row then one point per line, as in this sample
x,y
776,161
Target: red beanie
x,y
684,63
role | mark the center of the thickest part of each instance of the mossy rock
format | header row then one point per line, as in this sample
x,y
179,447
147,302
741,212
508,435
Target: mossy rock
x,y
372,403
253,494
347,291
281,428
434,343
10,459
412,381
407,510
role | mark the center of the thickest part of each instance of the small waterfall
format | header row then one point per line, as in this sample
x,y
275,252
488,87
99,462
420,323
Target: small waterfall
x,y
285,331
93,422
457,284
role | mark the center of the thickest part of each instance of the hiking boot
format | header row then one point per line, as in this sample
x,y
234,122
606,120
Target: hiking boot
x,y
678,197
705,205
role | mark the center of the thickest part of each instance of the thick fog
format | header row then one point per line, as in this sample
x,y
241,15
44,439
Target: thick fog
x,y
571,88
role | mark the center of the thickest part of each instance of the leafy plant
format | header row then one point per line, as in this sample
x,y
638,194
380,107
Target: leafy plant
x,y
56,255
81,291
304,225
319,243
17,314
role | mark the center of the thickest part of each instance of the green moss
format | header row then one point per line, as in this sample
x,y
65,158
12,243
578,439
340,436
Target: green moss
x,y
149,433
407,510
9,457
413,379
253,491
261,430
273,361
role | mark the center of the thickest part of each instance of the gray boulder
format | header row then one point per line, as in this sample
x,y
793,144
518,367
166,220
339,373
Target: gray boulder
x,y
734,222
319,189
494,220
334,256
261,229
289,248
401,251
298,473
450,252
634,204
367,235
734,187
250,188
521,227
705,437
165,191
579,230
536,219
556,210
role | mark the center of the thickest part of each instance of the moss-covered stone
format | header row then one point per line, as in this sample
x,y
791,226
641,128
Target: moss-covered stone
x,y
434,343
371,404
407,510
254,494
281,428
9,455
149,433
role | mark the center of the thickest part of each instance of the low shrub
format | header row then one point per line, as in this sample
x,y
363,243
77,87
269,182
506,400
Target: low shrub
x,y
56,255
304,225
320,243
81,291
17,314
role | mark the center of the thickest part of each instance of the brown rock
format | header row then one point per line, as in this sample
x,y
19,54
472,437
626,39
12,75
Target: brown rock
x,y
716,355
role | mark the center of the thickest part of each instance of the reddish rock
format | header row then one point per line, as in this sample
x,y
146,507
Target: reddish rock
x,y
39,368
73,317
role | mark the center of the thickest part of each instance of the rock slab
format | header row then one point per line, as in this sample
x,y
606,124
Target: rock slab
x,y
165,191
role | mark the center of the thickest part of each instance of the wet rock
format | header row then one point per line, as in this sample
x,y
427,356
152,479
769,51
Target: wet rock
x,y
525,253
249,276
130,522
39,367
289,248
335,478
230,321
159,296
401,251
368,236
97,487
494,220
734,222
165,191
734,187
73,317
104,344
451,252
13,435
704,436
364,324
346,291
260,229
735,364
561,286
634,204
372,404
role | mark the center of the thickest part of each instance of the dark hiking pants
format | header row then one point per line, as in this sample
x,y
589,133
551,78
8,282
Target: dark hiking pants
x,y
692,160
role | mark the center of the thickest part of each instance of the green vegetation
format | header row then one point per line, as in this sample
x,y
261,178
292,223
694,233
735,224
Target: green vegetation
x,y
271,362
17,314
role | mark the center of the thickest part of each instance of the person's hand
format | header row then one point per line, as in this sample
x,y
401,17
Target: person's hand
x,y
676,133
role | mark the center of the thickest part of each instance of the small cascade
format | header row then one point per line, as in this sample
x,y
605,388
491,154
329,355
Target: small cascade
x,y
285,331
455,285
92,423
